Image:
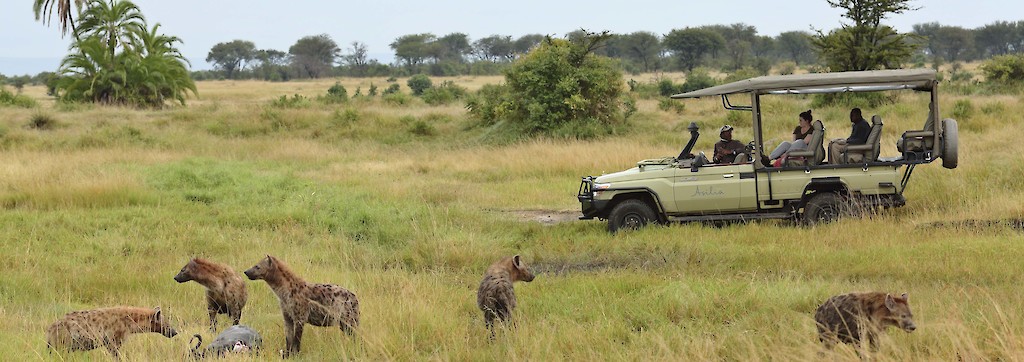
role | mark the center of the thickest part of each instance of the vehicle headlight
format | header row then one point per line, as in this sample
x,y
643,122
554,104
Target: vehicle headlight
x,y
600,187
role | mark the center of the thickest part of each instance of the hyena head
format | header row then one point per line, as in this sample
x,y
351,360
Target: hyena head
x,y
160,325
262,269
899,312
186,272
524,272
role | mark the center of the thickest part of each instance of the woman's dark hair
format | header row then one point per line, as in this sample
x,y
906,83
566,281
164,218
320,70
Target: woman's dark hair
x,y
806,115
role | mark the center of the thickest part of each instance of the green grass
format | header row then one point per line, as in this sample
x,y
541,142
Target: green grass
x,y
407,206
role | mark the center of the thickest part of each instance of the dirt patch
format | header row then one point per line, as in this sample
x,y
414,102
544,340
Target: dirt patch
x,y
545,217
560,267
1014,224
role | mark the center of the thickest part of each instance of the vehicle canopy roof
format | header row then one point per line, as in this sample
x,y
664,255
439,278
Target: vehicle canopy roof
x,y
838,82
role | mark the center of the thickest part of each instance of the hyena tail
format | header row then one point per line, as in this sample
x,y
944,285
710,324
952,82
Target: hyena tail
x,y
196,352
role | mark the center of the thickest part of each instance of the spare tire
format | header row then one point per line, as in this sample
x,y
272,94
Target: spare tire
x,y
950,143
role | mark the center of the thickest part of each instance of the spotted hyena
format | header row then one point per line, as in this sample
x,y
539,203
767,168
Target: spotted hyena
x,y
225,289
496,296
301,302
849,317
89,329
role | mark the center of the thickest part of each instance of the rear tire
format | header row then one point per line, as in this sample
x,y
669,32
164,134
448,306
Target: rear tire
x,y
950,143
824,208
630,215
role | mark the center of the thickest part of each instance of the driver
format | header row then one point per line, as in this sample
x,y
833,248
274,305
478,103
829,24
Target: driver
x,y
727,149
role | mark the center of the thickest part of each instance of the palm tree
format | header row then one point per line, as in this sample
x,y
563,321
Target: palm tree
x,y
119,23
44,11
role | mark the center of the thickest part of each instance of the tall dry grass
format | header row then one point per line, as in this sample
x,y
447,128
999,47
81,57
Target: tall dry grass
x,y
106,206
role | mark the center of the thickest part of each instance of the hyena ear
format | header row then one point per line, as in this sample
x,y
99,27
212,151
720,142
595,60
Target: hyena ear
x,y
905,298
270,260
156,315
515,261
889,302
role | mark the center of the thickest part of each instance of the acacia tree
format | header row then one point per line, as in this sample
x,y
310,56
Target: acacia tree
x,y
314,55
357,59
232,56
690,45
867,43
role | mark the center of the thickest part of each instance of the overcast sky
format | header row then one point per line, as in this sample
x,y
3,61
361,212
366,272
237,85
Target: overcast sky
x,y
28,46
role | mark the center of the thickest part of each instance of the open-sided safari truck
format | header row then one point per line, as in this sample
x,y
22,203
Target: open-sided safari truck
x,y
806,187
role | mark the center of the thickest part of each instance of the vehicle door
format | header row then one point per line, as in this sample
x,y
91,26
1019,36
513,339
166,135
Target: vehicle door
x,y
715,189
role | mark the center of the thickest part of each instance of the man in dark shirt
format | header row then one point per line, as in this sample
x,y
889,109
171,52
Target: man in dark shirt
x,y
858,136
727,149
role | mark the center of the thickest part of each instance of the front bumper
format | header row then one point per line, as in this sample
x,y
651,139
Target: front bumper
x,y
591,208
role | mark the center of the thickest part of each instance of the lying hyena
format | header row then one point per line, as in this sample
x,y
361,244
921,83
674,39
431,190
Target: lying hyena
x,y
496,296
225,289
88,329
848,318
301,302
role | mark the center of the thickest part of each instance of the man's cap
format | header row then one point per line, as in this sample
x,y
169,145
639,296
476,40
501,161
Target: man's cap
x,y
725,128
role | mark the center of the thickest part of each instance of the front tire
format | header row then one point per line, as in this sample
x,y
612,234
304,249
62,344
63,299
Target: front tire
x,y
823,208
950,143
630,215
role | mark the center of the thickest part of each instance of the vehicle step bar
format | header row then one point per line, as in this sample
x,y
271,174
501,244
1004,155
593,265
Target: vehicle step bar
x,y
732,217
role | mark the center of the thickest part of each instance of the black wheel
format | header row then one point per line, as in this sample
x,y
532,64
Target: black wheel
x,y
823,208
630,215
950,143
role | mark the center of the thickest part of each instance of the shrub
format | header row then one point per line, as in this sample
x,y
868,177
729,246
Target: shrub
x,y
296,101
42,121
397,99
963,109
418,84
422,128
392,89
373,90
445,93
698,79
16,100
741,74
560,87
489,104
851,100
786,68
667,88
671,105
335,94
1004,69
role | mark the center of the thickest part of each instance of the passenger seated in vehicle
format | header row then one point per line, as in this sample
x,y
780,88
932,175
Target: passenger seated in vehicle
x,y
727,149
801,137
858,136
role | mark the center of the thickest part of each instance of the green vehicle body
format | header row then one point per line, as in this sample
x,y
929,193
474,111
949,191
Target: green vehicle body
x,y
689,189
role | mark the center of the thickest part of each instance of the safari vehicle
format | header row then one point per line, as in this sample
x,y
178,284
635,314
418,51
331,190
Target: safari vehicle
x,y
805,188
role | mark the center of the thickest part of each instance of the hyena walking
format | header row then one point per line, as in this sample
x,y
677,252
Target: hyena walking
x,y
321,305
849,317
89,329
225,289
496,296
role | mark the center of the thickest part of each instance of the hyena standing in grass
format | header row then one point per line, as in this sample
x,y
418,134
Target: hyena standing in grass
x,y
849,317
89,329
496,296
225,289
321,305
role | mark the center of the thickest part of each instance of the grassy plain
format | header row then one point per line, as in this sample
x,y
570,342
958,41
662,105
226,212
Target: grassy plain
x,y
106,205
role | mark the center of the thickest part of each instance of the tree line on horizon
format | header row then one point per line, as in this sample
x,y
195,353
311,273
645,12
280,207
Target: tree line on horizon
x,y
725,47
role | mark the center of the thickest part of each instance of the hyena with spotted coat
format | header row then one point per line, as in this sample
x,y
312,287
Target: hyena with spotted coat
x,y
89,329
225,289
496,296
849,317
321,305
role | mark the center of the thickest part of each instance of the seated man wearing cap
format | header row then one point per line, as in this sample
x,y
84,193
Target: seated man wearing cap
x,y
727,149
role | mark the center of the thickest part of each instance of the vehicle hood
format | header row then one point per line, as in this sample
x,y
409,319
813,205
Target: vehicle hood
x,y
645,169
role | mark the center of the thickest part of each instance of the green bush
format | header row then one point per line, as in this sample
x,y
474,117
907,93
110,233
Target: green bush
x,y
392,89
445,93
667,88
373,90
671,105
489,104
699,78
42,121
418,84
296,101
559,87
963,109
16,100
397,99
337,93
1004,69
422,128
